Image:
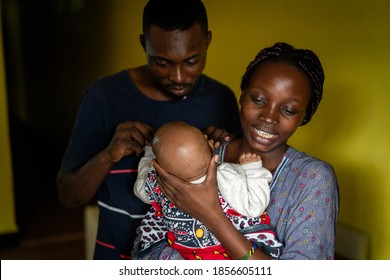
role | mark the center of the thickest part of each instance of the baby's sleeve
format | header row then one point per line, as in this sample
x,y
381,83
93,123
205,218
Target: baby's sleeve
x,y
245,187
144,167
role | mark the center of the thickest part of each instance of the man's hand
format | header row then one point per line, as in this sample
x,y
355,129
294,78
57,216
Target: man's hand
x,y
217,136
129,137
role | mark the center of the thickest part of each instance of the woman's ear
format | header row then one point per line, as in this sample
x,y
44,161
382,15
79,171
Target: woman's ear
x,y
303,121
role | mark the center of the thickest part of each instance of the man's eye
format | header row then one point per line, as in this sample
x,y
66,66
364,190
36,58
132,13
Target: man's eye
x,y
161,63
191,62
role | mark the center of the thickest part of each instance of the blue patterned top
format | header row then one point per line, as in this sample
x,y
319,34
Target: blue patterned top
x,y
304,206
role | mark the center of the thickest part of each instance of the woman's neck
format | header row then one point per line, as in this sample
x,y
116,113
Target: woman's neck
x,y
270,159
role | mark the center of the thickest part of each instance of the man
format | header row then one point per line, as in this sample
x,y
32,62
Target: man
x,y
119,113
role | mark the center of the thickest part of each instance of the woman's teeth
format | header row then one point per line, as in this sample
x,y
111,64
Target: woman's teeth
x,y
263,134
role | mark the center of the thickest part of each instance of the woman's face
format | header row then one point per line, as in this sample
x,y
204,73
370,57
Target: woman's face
x,y
272,107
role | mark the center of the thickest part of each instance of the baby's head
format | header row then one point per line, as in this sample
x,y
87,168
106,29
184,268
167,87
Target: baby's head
x,y
182,150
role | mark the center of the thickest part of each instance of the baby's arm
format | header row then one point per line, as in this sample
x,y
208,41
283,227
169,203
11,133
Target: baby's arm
x,y
245,186
144,167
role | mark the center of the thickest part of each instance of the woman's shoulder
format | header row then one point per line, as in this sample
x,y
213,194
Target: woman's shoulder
x,y
312,174
301,161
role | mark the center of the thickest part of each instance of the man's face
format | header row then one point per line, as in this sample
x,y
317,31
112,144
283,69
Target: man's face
x,y
176,58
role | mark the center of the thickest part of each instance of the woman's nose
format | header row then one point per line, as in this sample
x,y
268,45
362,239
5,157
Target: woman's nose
x,y
269,115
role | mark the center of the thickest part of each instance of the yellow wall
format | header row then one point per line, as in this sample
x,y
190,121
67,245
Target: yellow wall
x,y
7,213
350,130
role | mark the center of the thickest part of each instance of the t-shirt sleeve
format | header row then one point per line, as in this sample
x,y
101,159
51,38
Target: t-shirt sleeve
x,y
89,124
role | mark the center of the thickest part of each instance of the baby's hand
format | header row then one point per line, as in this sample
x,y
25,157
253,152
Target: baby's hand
x,y
249,157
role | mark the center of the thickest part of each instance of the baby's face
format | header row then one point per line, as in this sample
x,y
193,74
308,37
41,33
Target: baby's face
x,y
182,150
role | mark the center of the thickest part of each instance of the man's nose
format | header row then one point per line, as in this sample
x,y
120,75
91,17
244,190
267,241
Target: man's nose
x,y
176,74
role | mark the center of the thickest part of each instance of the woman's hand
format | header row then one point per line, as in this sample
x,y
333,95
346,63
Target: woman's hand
x,y
202,203
198,200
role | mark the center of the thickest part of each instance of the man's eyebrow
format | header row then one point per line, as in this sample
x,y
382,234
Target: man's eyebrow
x,y
191,57
159,57
156,57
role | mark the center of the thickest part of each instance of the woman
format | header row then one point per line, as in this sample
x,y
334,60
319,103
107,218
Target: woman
x,y
281,90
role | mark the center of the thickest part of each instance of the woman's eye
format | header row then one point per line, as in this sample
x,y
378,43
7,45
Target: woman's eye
x,y
259,100
289,111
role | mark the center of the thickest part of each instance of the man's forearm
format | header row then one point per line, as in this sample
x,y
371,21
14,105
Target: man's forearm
x,y
78,187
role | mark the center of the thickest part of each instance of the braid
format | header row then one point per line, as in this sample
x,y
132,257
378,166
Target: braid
x,y
303,59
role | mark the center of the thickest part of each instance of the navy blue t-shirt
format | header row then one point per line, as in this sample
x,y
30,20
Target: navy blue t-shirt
x,y
114,99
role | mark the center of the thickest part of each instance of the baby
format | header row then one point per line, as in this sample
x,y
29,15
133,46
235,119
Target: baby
x,y
183,150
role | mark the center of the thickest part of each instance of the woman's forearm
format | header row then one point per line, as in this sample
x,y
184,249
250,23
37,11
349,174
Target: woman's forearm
x,y
233,241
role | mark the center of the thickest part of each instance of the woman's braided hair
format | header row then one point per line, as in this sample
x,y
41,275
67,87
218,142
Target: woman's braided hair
x,y
303,59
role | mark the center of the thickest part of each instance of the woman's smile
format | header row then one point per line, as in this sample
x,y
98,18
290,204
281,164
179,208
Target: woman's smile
x,y
263,134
